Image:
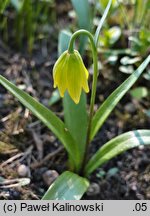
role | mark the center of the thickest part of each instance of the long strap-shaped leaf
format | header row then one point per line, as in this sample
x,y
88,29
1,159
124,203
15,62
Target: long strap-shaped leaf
x,y
110,103
117,146
68,186
46,116
76,120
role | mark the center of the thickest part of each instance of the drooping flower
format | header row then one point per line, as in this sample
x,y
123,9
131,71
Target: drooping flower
x,y
71,75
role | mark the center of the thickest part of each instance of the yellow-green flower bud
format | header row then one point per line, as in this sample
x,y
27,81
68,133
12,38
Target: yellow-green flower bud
x,y
70,74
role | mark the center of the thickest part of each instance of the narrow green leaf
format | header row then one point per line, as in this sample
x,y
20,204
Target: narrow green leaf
x,y
83,12
46,116
141,11
96,37
110,103
82,9
68,186
117,146
145,16
76,120
75,115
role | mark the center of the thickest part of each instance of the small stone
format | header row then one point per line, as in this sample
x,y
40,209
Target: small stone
x,y
94,189
130,107
50,176
23,170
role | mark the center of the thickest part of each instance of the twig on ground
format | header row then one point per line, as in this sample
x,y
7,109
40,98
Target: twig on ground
x,y
46,158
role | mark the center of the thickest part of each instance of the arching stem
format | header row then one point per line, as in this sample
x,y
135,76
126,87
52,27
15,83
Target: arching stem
x,y
94,84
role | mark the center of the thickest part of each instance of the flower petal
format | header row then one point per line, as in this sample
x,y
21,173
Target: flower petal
x,y
62,80
84,73
70,74
82,63
74,79
85,83
58,68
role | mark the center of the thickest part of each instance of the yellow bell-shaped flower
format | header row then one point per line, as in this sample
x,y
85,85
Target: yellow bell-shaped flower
x,y
70,74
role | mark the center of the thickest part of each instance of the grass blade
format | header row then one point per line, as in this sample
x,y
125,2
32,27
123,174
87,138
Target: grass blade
x,y
68,186
102,22
117,146
110,103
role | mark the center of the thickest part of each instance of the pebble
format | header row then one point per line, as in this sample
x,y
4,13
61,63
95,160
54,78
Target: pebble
x,y
130,107
50,176
14,194
94,189
23,170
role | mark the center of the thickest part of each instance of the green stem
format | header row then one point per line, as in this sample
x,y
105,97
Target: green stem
x,y
94,84
78,33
